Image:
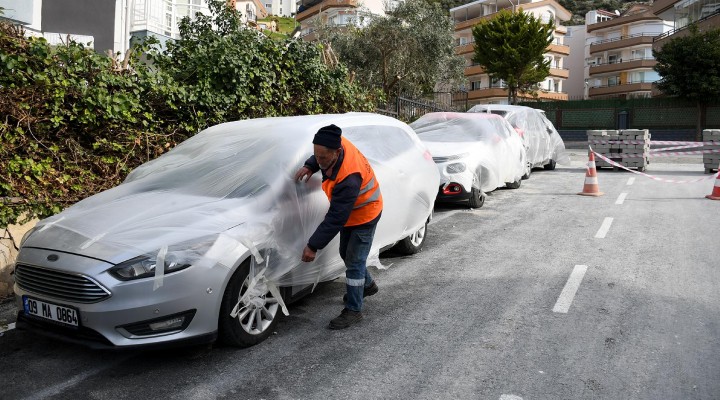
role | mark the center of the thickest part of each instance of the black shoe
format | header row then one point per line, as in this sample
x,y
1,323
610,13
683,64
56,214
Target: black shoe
x,y
345,319
368,291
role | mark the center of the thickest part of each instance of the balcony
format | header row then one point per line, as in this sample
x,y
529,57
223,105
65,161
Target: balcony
x,y
559,72
474,70
459,26
325,5
552,96
616,22
663,5
465,48
623,66
487,93
499,92
623,89
622,42
707,23
559,49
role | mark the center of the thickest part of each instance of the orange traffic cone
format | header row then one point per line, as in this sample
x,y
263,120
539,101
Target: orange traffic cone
x,y
715,195
591,187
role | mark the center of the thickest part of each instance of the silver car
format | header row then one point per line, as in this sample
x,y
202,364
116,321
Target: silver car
x,y
475,154
544,146
223,216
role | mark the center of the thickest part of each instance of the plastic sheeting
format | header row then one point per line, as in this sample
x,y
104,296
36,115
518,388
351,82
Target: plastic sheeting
x,y
542,141
479,151
229,192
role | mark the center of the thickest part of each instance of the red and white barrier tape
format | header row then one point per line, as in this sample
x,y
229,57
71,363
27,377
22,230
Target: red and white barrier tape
x,y
690,146
662,154
613,163
654,142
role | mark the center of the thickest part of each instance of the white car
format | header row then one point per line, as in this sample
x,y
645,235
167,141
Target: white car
x,y
542,142
475,154
223,215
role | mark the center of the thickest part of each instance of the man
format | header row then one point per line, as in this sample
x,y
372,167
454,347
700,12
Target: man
x,y
349,182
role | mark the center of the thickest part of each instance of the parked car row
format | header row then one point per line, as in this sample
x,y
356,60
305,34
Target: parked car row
x,y
223,217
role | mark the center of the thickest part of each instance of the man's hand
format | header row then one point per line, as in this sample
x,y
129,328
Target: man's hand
x,y
303,174
308,255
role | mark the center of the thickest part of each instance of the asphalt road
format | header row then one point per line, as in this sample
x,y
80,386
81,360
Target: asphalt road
x,y
540,294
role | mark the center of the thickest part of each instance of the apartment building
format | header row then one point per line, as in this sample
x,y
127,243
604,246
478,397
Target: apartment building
x,y
705,14
313,13
91,22
282,8
160,18
250,11
482,89
618,51
105,24
575,63
25,13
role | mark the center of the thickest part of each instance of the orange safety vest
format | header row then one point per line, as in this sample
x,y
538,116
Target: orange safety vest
x,y
369,202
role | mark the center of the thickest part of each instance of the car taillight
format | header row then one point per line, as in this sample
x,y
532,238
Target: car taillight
x,y
428,156
452,188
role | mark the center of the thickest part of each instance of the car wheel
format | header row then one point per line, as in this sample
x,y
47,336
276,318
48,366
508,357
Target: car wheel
x,y
550,166
527,172
513,185
257,315
413,243
477,198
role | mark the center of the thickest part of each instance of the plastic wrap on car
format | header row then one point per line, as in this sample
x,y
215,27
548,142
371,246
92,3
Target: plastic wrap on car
x,y
541,139
492,152
228,192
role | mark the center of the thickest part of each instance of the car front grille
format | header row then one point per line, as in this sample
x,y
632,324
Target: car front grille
x,y
60,285
440,160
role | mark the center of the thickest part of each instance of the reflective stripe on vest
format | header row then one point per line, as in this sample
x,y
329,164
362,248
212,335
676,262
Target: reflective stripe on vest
x,y
369,201
372,198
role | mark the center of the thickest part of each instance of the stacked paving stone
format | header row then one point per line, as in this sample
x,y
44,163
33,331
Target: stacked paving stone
x,y
711,160
615,151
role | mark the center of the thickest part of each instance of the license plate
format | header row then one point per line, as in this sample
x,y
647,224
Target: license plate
x,y
53,312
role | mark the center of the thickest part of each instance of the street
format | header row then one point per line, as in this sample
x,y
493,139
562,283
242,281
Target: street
x,y
539,294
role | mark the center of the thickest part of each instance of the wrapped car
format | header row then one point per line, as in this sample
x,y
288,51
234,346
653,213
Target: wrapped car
x,y
542,142
226,223
475,154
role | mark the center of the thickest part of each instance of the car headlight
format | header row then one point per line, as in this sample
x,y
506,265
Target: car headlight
x,y
178,257
144,267
455,168
27,235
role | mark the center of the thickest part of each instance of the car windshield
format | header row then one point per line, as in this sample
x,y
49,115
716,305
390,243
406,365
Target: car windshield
x,y
231,165
475,128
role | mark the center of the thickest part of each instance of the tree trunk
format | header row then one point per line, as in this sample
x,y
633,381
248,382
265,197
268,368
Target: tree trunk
x,y
700,120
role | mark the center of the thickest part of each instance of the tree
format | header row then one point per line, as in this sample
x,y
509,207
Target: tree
x,y
689,68
409,50
75,122
511,47
231,72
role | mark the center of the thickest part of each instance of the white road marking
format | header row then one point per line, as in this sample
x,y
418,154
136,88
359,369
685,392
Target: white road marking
x,y
604,228
631,181
437,218
568,293
621,198
510,397
9,327
61,387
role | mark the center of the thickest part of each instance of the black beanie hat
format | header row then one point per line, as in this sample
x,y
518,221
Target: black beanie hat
x,y
328,136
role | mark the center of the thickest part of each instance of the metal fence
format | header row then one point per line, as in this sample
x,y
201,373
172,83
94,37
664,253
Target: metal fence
x,y
652,113
408,110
